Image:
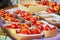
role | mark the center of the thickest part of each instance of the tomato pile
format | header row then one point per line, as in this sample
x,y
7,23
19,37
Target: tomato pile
x,y
53,6
34,26
8,16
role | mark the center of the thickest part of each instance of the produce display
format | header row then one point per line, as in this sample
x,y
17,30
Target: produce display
x,y
52,6
35,19
51,18
47,15
29,25
28,29
6,17
31,6
30,3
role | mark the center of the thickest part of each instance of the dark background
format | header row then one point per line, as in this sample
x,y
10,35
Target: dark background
x,y
5,3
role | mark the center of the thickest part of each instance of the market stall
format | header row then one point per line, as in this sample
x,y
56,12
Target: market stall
x,y
34,20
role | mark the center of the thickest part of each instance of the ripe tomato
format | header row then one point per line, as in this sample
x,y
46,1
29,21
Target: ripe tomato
x,y
25,31
27,25
26,18
17,21
11,15
36,17
9,26
19,25
16,12
43,2
38,23
28,14
54,4
50,10
1,14
23,11
35,31
33,21
41,27
14,26
22,14
47,3
47,27
59,6
53,28
51,4
3,11
22,27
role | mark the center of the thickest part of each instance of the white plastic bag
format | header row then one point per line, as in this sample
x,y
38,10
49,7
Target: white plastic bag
x,y
14,2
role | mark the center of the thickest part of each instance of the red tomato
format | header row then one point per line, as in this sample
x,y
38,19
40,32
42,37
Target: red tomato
x,y
50,10
38,23
3,11
17,21
44,0
13,20
47,2
27,25
11,15
1,14
53,28
33,21
51,4
59,7
25,31
36,17
26,18
47,27
19,25
44,3
35,31
41,27
22,14
22,27
23,11
28,14
14,26
9,26
54,4
16,12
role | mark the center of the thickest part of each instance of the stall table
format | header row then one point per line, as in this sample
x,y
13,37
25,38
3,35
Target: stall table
x,y
57,37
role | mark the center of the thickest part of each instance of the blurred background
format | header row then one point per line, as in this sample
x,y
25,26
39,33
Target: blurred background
x,y
5,3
